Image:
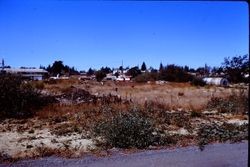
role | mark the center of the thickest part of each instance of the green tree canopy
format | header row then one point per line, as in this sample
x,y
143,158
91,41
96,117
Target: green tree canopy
x,y
236,68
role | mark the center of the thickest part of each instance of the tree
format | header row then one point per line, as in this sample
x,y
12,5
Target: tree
x,y
236,68
192,70
134,71
152,70
121,68
90,72
161,67
216,70
116,74
143,67
57,68
186,68
201,71
42,67
100,75
174,73
106,70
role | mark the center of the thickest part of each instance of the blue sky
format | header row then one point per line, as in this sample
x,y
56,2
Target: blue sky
x,y
105,33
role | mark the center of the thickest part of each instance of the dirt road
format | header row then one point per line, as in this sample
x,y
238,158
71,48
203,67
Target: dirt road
x,y
216,155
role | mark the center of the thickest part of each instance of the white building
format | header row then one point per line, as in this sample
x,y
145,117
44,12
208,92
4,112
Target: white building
x,y
33,74
123,78
216,81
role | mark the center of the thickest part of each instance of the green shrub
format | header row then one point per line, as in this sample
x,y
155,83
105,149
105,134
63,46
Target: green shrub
x,y
19,99
225,132
126,131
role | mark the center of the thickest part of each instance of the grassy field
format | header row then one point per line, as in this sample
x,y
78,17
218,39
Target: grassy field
x,y
179,114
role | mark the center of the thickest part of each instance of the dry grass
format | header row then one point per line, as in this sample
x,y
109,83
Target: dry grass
x,y
176,95
171,106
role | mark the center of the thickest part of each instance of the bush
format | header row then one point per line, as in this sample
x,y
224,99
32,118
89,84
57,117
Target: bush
x,y
146,77
225,132
100,75
126,131
38,85
18,99
198,82
233,104
195,114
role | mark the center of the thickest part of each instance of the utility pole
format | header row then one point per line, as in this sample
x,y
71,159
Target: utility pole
x,y
122,67
2,65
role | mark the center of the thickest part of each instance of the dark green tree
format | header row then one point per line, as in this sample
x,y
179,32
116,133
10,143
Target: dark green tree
x,y
161,67
116,74
121,68
134,71
236,68
90,72
143,67
174,73
100,75
106,70
186,68
57,68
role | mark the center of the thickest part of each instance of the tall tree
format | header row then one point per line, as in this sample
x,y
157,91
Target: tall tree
x,y
143,67
57,68
90,72
186,68
106,70
161,67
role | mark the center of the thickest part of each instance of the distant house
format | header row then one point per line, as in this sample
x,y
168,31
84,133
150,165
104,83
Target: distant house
x,y
123,78
110,78
120,72
27,73
219,81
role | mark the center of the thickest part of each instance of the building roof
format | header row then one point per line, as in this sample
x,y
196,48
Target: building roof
x,y
21,70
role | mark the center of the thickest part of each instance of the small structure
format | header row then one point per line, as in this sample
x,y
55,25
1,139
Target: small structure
x,y
27,73
219,81
110,78
123,78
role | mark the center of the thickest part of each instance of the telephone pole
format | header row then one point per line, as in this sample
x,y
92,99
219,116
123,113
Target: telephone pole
x,y
2,65
122,67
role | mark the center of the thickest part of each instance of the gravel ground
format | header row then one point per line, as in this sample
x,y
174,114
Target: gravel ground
x,y
215,155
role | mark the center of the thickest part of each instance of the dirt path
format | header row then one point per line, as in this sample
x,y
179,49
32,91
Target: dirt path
x,y
216,155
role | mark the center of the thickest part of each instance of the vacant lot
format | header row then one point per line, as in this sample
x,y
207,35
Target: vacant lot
x,y
179,115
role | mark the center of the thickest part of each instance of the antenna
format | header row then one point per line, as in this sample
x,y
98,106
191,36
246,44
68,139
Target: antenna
x,y
122,67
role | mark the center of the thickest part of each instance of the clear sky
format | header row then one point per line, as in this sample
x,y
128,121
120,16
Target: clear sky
x,y
103,33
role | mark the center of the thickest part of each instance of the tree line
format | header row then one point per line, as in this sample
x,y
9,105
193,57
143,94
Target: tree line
x,y
235,69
